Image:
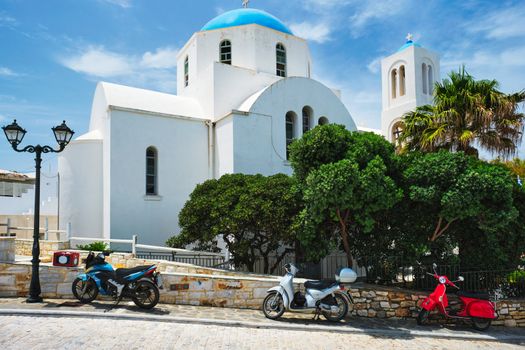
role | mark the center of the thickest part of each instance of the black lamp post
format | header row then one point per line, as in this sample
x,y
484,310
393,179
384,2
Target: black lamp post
x,y
15,134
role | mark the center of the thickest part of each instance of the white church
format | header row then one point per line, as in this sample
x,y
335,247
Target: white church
x,y
244,92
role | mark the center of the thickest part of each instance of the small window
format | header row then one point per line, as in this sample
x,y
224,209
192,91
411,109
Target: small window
x,y
307,117
393,82
397,130
151,171
424,74
280,53
290,131
322,121
226,52
430,80
186,71
402,86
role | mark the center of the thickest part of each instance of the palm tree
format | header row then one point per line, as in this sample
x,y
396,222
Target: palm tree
x,y
466,113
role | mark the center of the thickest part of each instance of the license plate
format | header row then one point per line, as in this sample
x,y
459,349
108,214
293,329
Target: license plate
x,y
158,280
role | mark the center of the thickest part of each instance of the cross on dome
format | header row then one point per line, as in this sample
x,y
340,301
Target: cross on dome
x,y
245,3
409,37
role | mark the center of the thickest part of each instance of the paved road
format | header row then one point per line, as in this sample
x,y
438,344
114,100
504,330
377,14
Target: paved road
x,y
44,332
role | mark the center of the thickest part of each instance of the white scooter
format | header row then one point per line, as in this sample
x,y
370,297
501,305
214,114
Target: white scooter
x,y
326,297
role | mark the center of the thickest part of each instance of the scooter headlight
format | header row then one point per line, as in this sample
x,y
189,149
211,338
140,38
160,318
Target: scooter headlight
x,y
442,280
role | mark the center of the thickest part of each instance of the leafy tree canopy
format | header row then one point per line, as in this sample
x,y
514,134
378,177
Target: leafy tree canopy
x,y
252,214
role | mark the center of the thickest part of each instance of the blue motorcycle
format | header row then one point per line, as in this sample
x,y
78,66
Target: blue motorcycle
x,y
141,283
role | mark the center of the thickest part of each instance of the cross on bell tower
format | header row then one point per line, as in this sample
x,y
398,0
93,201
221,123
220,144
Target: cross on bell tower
x,y
245,3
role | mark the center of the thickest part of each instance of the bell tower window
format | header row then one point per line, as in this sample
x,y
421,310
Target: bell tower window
x,y
290,131
226,52
151,171
402,84
393,82
397,131
307,116
280,55
424,74
186,71
430,80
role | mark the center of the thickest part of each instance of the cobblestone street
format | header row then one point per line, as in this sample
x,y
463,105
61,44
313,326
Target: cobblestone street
x,y
26,332
180,326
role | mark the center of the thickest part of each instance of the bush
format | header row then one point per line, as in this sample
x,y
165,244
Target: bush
x,y
95,246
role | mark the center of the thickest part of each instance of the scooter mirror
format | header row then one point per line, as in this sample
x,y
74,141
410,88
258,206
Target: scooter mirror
x,y
461,279
434,266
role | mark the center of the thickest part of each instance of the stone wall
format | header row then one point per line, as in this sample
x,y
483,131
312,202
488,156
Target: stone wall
x,y
7,249
194,285
25,247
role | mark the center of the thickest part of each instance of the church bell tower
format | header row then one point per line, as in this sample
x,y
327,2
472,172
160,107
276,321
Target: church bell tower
x,y
408,77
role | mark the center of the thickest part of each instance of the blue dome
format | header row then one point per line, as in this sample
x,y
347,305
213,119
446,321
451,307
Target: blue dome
x,y
245,16
408,44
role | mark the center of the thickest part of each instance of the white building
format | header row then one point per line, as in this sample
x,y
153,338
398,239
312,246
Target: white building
x,y
244,92
408,77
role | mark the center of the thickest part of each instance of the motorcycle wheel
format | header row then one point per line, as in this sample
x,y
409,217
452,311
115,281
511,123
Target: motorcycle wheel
x,y
90,292
146,295
273,306
422,317
481,324
343,309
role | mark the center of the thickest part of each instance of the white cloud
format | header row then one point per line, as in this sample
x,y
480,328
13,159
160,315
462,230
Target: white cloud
x,y
149,70
122,3
319,32
2,118
6,72
368,11
99,62
506,23
164,57
374,65
7,21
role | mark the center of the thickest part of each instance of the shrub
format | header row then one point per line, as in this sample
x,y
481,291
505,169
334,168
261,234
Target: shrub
x,y
94,246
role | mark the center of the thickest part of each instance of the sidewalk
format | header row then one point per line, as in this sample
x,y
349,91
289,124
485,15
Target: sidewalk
x,y
252,319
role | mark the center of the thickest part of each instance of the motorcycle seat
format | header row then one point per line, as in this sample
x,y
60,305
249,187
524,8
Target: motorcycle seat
x,y
323,284
121,273
475,295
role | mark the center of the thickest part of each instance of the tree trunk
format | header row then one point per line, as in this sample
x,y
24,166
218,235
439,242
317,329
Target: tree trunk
x,y
266,264
344,236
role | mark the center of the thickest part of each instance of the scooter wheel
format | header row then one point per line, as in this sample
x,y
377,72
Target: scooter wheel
x,y
273,306
84,291
422,317
481,324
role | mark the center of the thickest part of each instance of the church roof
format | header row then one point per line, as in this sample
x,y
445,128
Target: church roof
x,y
245,16
408,44
151,101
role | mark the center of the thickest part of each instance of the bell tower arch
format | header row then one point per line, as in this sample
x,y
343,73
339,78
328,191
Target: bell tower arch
x,y
408,77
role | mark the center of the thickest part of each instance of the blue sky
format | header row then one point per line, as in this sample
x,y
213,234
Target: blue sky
x,y
53,52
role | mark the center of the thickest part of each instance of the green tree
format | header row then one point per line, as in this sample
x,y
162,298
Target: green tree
x,y
342,192
252,214
453,188
466,112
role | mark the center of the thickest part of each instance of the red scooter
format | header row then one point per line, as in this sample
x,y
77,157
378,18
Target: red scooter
x,y
475,306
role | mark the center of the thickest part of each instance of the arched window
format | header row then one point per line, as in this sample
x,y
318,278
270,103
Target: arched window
x,y
280,55
151,171
402,86
307,117
397,130
186,71
393,82
290,130
322,121
226,52
430,80
424,74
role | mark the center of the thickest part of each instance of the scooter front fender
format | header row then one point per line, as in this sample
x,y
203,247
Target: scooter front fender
x,y
280,290
429,304
84,277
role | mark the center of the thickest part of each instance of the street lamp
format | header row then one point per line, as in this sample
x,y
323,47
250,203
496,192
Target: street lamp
x,y
15,134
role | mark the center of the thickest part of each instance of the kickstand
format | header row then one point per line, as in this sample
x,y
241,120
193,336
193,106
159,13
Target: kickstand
x,y
114,305
317,315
